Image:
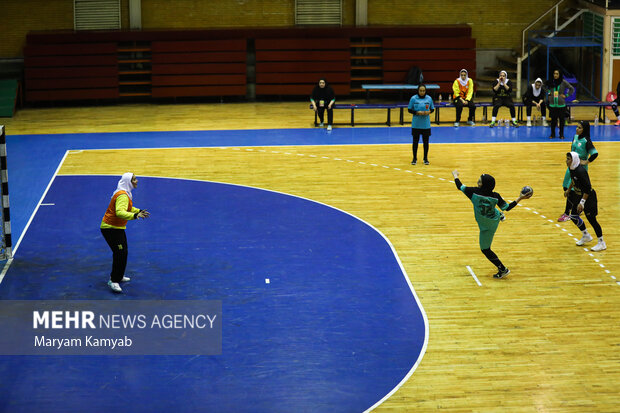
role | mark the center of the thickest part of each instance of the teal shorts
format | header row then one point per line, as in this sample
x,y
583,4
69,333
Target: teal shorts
x,y
487,232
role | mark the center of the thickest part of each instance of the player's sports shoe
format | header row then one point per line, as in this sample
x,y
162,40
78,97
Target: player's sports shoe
x,y
426,162
115,287
493,124
415,161
471,123
564,218
617,122
545,122
329,128
514,123
321,124
456,124
529,123
125,279
585,239
502,273
599,247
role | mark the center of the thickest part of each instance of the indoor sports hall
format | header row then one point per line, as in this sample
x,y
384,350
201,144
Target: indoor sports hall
x,y
281,262
349,279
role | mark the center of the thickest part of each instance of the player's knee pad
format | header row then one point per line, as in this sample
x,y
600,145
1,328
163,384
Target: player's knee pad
x,y
577,220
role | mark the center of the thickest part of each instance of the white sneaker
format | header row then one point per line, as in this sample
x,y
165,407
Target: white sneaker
x,y
585,239
545,122
321,124
471,123
329,128
529,123
115,287
456,124
599,247
125,279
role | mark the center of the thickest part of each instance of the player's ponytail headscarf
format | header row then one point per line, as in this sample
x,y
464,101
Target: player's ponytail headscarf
x,y
575,160
487,183
124,184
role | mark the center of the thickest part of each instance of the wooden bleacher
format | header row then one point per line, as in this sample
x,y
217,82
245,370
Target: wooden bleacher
x,y
294,66
70,71
440,58
199,68
117,65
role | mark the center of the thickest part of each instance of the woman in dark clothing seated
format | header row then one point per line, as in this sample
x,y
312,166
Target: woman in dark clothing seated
x,y
322,98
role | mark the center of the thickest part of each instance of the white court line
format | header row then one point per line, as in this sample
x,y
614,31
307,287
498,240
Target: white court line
x,y
19,241
48,204
473,275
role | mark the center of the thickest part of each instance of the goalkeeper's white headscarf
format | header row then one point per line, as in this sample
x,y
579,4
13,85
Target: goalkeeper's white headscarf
x,y
124,184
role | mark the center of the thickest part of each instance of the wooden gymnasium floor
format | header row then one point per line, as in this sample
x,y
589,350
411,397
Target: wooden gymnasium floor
x,y
545,339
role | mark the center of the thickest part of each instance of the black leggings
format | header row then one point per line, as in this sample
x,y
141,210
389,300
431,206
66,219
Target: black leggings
x,y
590,211
425,133
557,115
491,256
330,114
459,109
529,105
117,241
504,101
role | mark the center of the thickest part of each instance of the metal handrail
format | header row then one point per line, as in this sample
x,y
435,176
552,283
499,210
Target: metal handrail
x,y
556,8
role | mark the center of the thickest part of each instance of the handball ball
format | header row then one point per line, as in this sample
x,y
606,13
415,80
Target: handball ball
x,y
527,190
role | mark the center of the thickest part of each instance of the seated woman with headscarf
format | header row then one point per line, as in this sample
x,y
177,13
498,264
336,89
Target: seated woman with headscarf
x,y
322,98
502,90
535,95
463,95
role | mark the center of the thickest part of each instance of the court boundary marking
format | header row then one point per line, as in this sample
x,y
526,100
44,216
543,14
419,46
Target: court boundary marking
x,y
387,241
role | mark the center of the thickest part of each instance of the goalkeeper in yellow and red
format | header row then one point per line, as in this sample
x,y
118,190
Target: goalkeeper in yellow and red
x,y
487,215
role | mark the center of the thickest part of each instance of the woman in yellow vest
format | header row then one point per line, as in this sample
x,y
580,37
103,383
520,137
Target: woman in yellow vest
x,y
120,210
463,95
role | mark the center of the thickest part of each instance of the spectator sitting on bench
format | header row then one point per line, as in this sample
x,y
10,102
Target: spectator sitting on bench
x,y
502,88
535,95
463,92
322,98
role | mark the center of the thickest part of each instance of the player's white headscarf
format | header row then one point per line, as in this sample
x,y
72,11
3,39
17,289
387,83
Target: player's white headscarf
x,y
535,91
504,72
575,161
461,81
124,184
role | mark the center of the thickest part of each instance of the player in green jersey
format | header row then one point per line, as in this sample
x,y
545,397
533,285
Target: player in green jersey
x,y
487,215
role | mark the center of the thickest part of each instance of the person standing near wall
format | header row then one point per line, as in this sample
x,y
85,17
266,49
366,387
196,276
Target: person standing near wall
x,y
463,95
557,87
120,210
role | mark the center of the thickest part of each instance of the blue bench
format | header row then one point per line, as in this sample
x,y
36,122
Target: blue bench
x,y
353,106
438,105
520,107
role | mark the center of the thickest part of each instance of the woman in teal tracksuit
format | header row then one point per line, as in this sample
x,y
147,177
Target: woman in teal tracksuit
x,y
421,106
